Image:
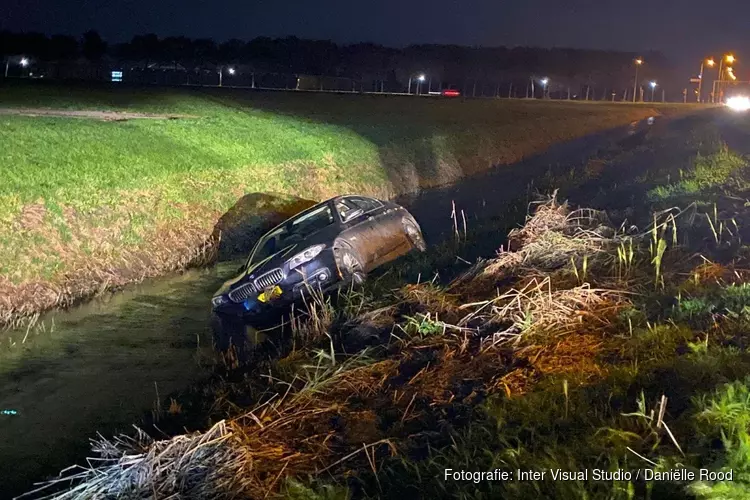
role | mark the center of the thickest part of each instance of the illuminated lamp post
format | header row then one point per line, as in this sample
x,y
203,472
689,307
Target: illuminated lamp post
x,y
710,63
544,82
638,62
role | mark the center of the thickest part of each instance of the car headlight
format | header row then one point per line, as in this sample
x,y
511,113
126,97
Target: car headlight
x,y
739,103
219,300
305,256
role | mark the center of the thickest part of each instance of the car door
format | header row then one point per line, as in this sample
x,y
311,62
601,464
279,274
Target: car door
x,y
359,231
386,232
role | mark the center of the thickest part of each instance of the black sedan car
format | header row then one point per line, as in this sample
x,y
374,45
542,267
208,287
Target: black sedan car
x,y
332,243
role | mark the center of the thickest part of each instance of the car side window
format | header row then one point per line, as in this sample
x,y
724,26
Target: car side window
x,y
345,207
366,204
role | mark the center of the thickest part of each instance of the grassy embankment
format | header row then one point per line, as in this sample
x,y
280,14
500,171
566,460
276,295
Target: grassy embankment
x,y
587,346
87,205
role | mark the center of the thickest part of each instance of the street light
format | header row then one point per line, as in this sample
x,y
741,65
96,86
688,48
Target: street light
x,y
710,63
420,78
23,62
544,81
221,74
653,88
638,62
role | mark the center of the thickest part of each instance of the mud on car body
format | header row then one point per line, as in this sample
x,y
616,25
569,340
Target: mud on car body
x,y
333,243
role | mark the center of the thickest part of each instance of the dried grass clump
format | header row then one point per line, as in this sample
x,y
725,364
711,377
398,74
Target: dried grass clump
x,y
538,308
555,241
427,297
140,467
553,238
709,275
549,216
574,355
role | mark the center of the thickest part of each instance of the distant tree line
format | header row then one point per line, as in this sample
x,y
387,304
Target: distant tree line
x,y
488,71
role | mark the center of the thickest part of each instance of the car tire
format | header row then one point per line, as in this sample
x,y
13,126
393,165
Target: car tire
x,y
350,265
414,234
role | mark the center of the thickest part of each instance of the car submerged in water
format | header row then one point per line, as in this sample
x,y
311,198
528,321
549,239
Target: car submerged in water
x,y
334,243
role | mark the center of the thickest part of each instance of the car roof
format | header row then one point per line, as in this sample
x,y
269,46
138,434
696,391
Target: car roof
x,y
349,195
318,205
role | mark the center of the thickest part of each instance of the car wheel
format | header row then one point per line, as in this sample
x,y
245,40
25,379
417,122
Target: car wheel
x,y
414,234
350,266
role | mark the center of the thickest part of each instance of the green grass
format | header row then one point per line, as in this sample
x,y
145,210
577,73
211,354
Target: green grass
x,y
55,157
732,300
74,161
86,197
709,172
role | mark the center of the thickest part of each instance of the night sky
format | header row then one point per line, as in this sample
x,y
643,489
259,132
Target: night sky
x,y
685,30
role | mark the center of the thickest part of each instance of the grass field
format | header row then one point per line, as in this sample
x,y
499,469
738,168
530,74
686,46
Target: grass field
x,y
88,204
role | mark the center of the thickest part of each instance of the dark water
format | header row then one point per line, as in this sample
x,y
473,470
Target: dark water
x,y
99,367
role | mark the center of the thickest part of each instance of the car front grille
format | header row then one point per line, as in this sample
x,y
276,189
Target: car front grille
x,y
241,293
263,281
269,279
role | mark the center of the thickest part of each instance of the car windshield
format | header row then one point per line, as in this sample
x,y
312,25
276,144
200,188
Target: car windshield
x,y
291,232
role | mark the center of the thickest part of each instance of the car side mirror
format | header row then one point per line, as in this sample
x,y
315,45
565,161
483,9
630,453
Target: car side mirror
x,y
353,214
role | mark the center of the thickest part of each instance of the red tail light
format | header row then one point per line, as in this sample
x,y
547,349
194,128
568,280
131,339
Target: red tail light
x,y
451,93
